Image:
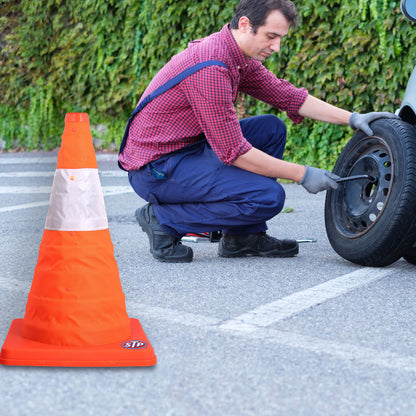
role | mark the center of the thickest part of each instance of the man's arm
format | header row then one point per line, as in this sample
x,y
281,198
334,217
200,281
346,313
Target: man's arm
x,y
319,110
261,163
313,179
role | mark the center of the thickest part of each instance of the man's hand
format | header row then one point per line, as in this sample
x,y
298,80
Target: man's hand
x,y
362,121
316,180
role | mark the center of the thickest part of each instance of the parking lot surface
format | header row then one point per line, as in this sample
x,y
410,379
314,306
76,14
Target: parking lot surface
x,y
310,335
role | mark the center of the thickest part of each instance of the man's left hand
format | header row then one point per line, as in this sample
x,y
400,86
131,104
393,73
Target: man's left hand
x,y
362,121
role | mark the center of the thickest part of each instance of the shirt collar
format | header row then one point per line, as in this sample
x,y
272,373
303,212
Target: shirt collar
x,y
235,52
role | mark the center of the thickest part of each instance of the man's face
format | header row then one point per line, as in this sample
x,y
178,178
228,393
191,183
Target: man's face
x,y
262,44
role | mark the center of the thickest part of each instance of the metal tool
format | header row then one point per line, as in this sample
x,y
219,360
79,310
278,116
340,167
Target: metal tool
x,y
307,240
196,238
215,237
212,237
355,177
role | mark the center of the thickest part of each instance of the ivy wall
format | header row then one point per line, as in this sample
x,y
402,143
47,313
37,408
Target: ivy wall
x,y
97,56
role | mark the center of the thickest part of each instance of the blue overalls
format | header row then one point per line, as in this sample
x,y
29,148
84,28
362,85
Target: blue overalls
x,y
192,191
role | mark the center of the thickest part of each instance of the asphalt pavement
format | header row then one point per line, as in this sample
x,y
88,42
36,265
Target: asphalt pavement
x,y
310,335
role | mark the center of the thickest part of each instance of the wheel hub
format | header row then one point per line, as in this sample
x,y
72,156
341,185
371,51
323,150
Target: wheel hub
x,y
364,199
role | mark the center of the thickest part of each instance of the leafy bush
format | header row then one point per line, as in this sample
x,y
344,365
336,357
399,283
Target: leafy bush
x,y
60,56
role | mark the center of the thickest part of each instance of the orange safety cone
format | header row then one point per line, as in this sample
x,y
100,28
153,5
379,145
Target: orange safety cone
x,y
75,313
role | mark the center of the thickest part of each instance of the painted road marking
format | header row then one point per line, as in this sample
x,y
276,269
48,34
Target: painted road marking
x,y
107,191
24,206
339,350
271,313
21,190
25,190
39,174
47,189
15,160
34,174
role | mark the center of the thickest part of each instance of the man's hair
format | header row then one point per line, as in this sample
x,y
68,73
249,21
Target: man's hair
x,y
258,10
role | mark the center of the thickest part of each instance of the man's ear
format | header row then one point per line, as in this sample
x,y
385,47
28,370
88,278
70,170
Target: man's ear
x,y
244,24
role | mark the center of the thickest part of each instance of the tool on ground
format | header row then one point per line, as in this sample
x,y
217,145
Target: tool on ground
x,y
212,237
215,236
307,240
371,178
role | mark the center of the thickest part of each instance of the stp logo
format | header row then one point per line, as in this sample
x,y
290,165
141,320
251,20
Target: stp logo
x,y
133,345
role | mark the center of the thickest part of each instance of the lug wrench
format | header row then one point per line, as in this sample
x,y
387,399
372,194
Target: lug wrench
x,y
195,238
353,178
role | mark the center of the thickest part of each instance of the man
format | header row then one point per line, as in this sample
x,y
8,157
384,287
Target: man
x,y
198,166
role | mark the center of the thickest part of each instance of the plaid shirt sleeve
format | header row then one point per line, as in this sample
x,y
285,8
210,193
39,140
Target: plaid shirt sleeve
x,y
265,86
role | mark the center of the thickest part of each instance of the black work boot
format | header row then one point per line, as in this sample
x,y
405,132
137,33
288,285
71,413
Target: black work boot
x,y
163,246
259,244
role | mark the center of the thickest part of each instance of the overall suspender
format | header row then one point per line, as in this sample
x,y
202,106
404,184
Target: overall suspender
x,y
163,88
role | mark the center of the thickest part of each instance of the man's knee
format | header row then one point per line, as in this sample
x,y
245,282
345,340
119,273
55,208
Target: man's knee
x,y
277,197
271,199
275,124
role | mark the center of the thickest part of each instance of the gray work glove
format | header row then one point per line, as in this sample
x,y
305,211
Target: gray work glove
x,y
316,180
362,121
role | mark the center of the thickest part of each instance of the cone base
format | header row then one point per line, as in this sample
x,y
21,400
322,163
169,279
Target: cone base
x,y
134,352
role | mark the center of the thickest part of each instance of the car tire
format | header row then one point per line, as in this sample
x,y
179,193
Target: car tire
x,y
373,222
410,254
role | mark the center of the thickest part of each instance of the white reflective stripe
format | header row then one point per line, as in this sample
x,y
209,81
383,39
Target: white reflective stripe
x,y
77,202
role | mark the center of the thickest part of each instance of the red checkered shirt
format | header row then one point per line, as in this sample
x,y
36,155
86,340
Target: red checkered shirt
x,y
203,104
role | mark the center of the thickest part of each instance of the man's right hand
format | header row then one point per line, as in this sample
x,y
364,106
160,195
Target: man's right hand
x,y
316,180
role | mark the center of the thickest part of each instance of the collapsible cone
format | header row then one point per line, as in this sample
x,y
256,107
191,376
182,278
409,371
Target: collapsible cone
x,y
75,313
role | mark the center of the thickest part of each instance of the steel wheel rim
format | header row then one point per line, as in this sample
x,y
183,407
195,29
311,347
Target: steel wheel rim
x,y
359,204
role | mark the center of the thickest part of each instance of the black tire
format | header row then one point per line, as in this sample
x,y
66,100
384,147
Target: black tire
x,y
410,254
374,223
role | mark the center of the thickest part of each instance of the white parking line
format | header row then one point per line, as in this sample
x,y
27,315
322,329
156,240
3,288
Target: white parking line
x,y
107,191
47,189
42,174
266,315
25,190
24,206
339,350
34,174
16,160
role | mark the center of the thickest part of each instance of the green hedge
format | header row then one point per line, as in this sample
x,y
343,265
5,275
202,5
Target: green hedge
x,y
60,56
